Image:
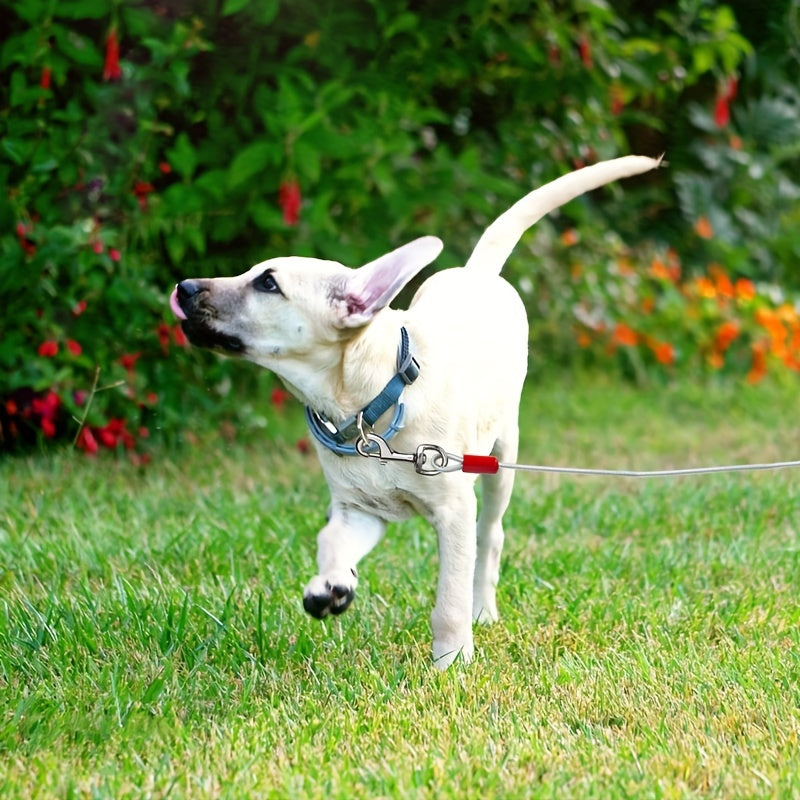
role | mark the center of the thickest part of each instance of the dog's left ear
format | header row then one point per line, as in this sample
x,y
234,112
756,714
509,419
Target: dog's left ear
x,y
373,286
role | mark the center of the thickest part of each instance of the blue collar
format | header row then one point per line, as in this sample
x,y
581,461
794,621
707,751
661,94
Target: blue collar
x,y
336,439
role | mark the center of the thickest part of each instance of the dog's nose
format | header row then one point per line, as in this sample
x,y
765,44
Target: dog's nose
x,y
187,290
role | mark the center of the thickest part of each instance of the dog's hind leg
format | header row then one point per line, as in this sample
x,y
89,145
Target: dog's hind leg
x,y
341,544
496,496
451,620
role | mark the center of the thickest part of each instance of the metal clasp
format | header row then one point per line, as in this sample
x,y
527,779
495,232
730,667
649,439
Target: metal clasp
x,y
429,459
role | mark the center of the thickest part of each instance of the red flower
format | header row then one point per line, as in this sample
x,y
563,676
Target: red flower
x,y
47,74
727,93
129,360
722,113
86,441
164,334
585,49
114,254
48,349
48,427
24,242
279,397
179,336
303,446
617,99
164,167
78,308
141,189
47,406
74,347
111,68
290,201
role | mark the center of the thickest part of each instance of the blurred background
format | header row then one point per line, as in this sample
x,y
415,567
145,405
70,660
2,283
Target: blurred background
x,y
144,142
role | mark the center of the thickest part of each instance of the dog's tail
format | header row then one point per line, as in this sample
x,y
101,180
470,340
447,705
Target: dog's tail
x,y
500,238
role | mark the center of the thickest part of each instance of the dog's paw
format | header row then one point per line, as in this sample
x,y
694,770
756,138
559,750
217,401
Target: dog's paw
x,y
485,612
331,594
445,653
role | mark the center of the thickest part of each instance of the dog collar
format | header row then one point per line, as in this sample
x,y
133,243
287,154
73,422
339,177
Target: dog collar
x,y
336,438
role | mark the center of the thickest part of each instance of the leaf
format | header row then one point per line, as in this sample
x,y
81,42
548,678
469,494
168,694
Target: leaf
x,y
182,156
233,6
250,161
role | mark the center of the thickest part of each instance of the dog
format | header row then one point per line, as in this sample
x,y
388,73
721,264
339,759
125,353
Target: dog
x,y
448,371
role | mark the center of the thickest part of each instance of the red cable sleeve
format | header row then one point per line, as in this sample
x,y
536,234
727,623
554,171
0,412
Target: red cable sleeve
x,y
480,465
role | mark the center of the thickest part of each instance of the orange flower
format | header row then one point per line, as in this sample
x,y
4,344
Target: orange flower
x,y
664,352
648,304
584,340
703,228
625,267
706,287
726,333
624,335
721,279
745,290
758,369
716,359
771,322
659,270
569,237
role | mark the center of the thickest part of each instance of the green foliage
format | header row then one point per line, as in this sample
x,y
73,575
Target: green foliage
x,y
146,143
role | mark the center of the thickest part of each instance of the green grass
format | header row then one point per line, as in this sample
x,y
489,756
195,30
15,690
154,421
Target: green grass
x,y
153,642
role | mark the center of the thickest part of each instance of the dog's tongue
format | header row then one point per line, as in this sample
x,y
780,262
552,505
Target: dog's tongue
x,y
175,306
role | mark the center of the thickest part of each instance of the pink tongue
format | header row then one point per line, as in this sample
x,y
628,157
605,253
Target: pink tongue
x,y
173,304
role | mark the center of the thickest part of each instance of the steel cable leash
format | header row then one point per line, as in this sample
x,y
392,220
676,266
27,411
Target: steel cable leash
x,y
431,459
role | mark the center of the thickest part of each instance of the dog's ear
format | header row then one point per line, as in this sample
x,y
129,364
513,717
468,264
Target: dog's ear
x,y
373,286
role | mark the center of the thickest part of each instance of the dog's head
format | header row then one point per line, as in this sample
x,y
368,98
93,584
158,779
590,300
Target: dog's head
x,y
285,309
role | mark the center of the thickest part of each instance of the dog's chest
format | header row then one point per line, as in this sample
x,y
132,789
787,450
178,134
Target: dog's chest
x,y
378,489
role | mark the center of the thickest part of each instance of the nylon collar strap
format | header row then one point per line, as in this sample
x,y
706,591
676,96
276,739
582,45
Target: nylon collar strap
x,y
336,438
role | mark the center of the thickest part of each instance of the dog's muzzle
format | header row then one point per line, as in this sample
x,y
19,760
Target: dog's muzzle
x,y
186,303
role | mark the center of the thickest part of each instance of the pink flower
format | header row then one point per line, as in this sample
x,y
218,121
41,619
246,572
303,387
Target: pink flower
x,y
114,254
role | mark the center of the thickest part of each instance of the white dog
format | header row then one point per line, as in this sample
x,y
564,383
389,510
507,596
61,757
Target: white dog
x,y
458,356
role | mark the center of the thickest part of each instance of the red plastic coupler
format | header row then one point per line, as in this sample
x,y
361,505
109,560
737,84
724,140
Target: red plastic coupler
x,y
480,465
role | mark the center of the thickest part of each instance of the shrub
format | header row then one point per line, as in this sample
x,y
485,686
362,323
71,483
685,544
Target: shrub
x,y
145,143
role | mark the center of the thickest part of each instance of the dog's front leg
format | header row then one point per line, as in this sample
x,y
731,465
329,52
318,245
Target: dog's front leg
x,y
452,615
341,544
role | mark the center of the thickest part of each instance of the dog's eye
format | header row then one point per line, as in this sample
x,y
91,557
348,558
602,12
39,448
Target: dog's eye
x,y
266,282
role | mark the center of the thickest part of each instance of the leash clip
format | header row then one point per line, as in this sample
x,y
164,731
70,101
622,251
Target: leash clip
x,y
429,459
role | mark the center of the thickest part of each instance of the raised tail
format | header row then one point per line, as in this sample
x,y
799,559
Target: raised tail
x,y
500,238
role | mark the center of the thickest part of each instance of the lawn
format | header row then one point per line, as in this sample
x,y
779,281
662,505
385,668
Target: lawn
x,y
153,642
